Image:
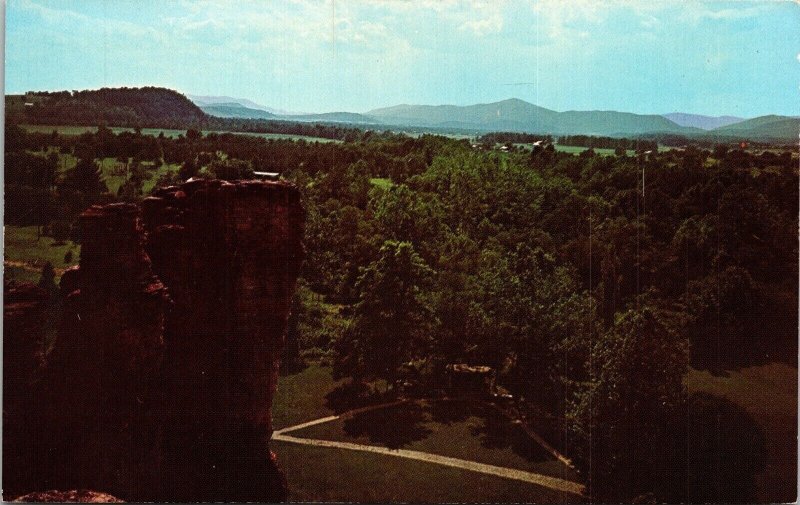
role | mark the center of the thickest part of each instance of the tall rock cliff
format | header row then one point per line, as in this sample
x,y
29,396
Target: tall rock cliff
x,y
160,382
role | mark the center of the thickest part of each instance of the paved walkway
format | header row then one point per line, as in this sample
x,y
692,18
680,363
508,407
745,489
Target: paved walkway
x,y
499,471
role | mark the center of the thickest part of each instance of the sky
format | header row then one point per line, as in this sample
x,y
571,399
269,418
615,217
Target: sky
x,y
738,58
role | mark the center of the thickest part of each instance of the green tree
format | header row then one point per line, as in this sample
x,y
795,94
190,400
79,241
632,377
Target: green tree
x,y
629,418
231,170
47,280
87,178
392,317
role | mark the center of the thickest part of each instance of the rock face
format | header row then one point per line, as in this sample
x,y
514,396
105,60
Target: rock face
x,y
230,255
160,382
24,307
104,373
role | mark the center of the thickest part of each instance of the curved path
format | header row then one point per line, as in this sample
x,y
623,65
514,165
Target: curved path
x,y
547,481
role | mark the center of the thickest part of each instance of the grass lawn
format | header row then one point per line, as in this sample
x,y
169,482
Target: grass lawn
x,y
449,428
768,393
301,396
324,474
149,184
21,246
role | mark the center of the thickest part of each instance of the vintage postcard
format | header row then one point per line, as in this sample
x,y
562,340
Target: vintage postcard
x,y
393,251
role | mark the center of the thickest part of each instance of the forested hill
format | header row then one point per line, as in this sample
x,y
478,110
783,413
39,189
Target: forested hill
x,y
148,106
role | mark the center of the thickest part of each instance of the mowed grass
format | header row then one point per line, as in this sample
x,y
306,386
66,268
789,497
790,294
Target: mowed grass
x,y
325,474
458,429
769,395
78,130
22,246
301,396
319,474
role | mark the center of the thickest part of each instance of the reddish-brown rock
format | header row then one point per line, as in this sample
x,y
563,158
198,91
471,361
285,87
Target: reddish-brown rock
x,y
24,309
104,376
160,382
230,255
73,496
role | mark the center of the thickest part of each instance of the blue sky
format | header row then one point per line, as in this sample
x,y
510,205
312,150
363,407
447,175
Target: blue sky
x,y
738,58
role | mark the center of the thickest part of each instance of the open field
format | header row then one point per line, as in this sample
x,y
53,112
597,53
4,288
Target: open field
x,y
768,393
22,248
77,130
597,150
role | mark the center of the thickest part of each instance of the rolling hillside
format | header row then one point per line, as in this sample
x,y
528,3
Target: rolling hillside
x,y
764,128
235,110
613,123
512,114
202,101
113,106
518,115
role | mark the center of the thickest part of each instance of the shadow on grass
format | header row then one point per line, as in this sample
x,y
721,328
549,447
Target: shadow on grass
x,y
448,412
288,369
354,395
769,333
497,432
726,450
393,427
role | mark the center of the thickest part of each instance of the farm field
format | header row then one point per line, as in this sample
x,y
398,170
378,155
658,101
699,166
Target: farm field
x,y
768,395
78,130
579,149
597,150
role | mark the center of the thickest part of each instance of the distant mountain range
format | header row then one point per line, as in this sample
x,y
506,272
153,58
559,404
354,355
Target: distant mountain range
x,y
204,101
702,122
520,116
163,107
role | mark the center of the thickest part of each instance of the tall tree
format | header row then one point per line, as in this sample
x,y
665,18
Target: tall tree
x,y
392,316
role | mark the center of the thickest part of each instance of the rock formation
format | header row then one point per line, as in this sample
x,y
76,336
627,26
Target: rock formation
x,y
73,496
160,382
24,307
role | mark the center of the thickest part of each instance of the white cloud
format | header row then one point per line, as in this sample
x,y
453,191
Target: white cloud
x,y
699,11
483,27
